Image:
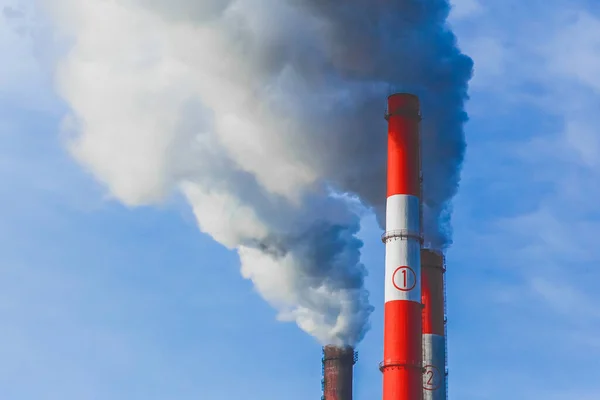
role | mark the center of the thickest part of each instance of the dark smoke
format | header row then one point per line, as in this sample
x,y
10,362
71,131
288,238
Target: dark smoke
x,y
397,46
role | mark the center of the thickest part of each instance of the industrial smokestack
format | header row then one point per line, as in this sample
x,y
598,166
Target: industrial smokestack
x,y
338,363
434,337
402,363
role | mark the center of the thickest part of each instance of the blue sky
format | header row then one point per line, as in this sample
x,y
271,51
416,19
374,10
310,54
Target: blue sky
x,y
101,301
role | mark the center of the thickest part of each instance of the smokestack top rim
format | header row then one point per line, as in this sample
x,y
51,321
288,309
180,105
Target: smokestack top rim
x,y
405,99
404,94
403,104
435,252
431,258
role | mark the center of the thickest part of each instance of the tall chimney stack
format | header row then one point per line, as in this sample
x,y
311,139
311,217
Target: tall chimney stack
x,y
434,325
338,363
402,366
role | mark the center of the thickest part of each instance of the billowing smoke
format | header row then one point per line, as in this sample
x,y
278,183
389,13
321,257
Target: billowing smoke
x,y
267,115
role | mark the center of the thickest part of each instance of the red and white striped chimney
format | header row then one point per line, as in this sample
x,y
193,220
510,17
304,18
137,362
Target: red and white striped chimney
x,y
402,366
434,340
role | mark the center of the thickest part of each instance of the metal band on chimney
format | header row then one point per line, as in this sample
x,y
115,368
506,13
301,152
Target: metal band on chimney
x,y
402,234
400,364
403,113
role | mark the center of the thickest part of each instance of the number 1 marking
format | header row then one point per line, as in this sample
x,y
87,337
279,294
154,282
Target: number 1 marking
x,y
407,282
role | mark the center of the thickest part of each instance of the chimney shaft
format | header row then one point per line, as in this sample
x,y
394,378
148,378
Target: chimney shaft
x,y
402,366
338,363
434,332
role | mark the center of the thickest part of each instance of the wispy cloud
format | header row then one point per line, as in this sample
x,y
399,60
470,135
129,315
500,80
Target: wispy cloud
x,y
465,8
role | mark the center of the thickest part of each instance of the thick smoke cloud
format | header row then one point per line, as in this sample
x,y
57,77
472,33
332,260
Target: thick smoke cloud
x,y
257,111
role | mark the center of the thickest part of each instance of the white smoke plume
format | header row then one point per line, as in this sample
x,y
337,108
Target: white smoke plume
x,y
257,111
